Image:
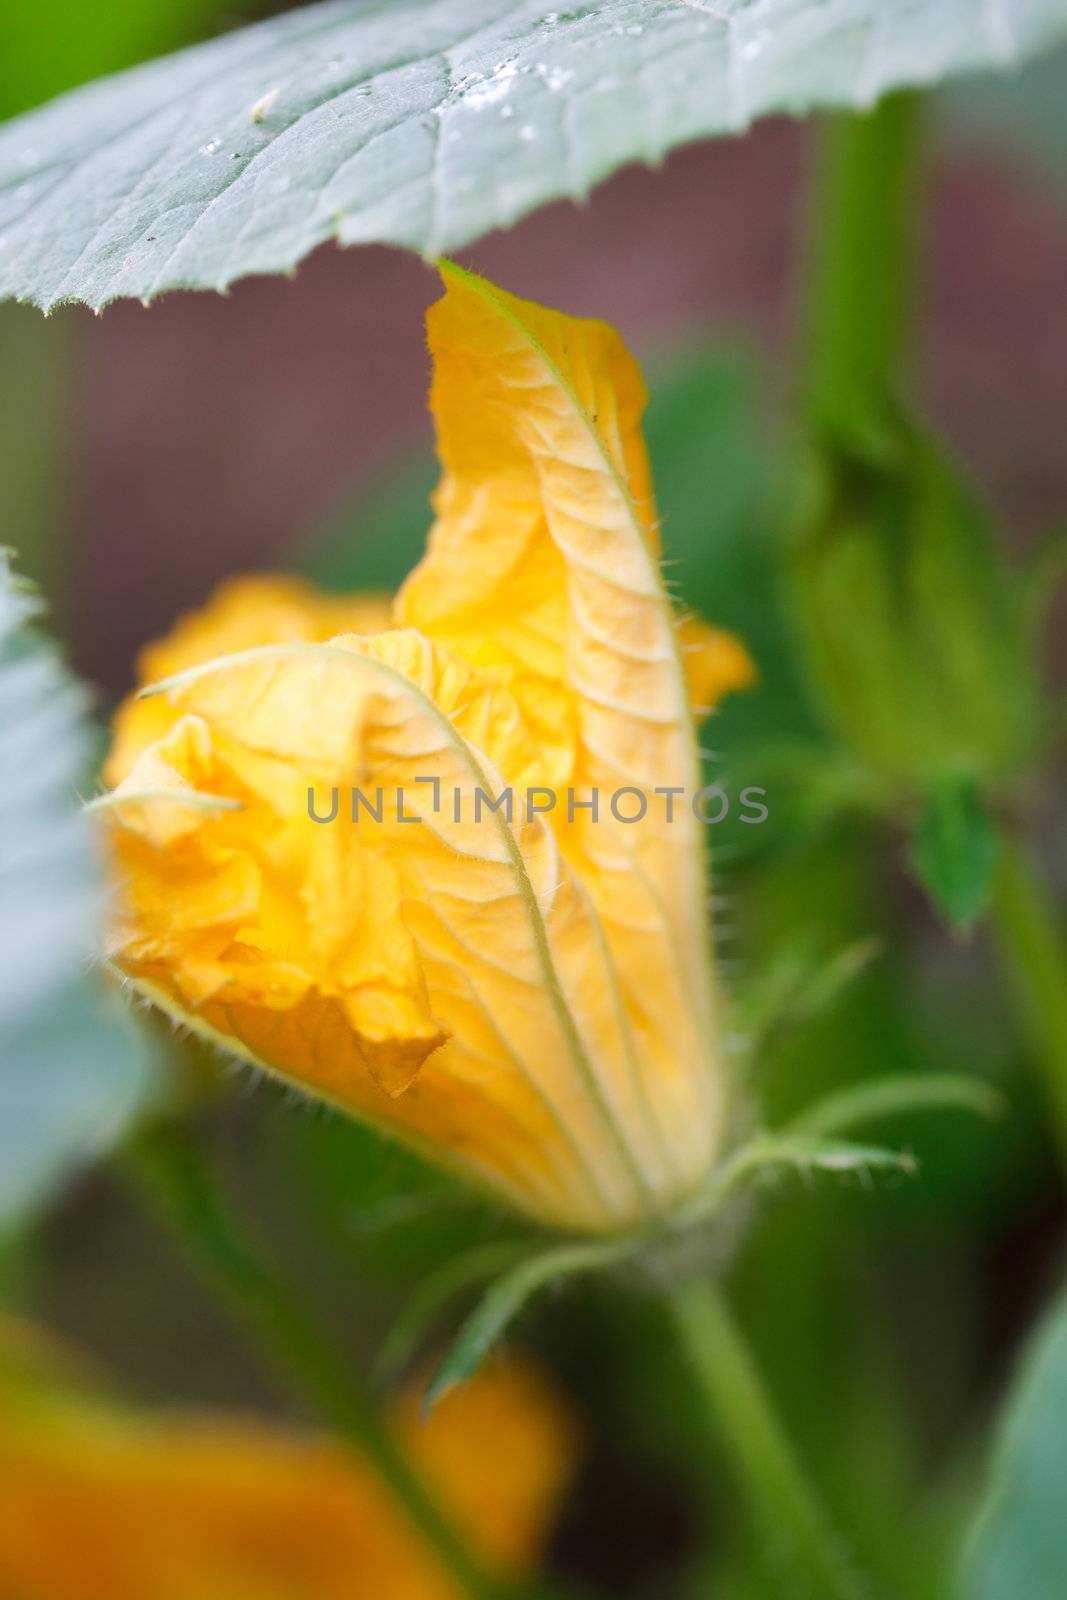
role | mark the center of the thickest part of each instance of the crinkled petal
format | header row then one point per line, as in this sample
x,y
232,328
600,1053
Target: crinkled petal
x,y
286,931
534,1089
263,608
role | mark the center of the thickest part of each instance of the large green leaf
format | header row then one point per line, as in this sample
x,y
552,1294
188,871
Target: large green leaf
x,y
69,1072
428,122
1019,1549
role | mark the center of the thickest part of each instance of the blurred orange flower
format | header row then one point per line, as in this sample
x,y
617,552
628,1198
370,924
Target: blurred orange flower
x,y
528,998
100,1503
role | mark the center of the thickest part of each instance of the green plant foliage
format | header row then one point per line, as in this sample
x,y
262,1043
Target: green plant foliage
x,y
764,1156
916,634
504,1300
434,1293
380,1213
69,1072
84,42
716,462
1019,1546
374,541
954,851
427,123
892,1097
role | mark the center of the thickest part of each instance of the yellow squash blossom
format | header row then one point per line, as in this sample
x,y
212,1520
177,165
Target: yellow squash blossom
x,y
105,1504
526,997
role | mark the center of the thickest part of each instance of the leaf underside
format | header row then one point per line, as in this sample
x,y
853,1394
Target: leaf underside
x,y
68,1072
428,123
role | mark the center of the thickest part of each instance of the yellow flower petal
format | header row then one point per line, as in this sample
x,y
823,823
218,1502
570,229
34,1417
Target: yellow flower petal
x,y
716,664
522,1094
545,554
105,1504
250,923
263,608
526,998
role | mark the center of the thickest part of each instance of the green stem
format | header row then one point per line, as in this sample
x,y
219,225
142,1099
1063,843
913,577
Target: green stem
x,y
766,1465
1033,949
174,1174
860,258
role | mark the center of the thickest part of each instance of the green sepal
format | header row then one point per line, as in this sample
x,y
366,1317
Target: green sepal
x,y
896,1096
434,1292
916,634
505,1299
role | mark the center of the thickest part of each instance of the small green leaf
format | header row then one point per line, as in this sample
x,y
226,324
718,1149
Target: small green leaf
x,y
433,1293
70,1074
954,852
1018,1548
504,1300
426,123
